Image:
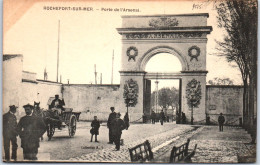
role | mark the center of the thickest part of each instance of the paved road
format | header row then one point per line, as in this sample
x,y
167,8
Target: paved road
x,y
62,147
213,146
218,147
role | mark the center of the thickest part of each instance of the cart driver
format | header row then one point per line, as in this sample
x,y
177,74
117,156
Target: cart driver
x,y
57,104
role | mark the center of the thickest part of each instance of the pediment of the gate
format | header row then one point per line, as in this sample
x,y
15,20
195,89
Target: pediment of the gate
x,y
184,36
159,21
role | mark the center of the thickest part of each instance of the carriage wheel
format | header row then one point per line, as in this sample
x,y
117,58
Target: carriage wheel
x,y
50,131
72,125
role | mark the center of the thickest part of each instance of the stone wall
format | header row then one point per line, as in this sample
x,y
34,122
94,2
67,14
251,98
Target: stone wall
x,y
47,89
91,100
21,87
227,100
12,80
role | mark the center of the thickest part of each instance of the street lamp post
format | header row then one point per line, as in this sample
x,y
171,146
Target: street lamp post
x,y
127,102
193,101
191,120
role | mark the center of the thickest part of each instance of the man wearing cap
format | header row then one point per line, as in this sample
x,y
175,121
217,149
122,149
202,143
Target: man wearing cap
x,y
10,133
111,117
30,129
117,126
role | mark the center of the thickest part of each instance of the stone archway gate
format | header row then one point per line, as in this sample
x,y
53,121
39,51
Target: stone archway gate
x,y
184,36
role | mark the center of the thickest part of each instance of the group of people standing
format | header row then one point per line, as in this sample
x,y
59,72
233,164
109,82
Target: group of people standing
x,y
162,117
30,128
115,125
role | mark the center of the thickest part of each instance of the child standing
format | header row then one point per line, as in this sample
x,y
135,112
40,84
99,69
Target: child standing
x,y
95,128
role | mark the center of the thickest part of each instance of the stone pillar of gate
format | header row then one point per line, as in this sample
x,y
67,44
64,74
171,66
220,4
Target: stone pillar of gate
x,y
184,36
132,83
199,111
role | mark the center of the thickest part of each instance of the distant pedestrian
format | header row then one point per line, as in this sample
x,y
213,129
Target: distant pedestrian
x,y
183,118
30,129
221,120
126,120
253,131
117,126
153,116
95,124
144,118
111,117
10,133
162,117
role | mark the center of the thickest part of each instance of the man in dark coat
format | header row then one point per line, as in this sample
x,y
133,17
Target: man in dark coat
x,y
221,120
10,133
111,117
95,128
162,117
153,116
30,129
57,103
183,118
117,126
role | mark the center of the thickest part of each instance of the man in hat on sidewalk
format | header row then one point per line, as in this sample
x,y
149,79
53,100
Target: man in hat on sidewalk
x,y
221,120
30,129
10,133
111,117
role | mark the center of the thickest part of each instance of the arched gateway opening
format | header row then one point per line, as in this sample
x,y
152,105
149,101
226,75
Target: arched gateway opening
x,y
144,37
160,93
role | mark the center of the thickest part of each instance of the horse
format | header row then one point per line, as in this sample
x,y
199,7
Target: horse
x,y
48,117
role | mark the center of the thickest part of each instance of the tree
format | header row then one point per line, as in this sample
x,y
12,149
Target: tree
x,y
221,81
167,97
239,19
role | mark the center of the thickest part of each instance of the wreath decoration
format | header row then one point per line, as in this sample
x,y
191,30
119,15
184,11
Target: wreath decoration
x,y
193,93
196,55
130,93
131,56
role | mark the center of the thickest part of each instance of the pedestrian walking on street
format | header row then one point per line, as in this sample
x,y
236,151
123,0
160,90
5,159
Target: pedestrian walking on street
x,y
183,118
153,116
126,120
95,124
10,133
30,129
162,117
221,120
111,117
117,126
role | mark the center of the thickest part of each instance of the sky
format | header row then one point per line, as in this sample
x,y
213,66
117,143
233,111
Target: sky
x,y
89,37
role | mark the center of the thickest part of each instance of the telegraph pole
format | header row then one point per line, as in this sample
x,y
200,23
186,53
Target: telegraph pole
x,y
156,94
95,72
58,52
100,78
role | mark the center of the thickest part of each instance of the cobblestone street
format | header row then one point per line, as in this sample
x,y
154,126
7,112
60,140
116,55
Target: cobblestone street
x,y
213,146
217,147
137,134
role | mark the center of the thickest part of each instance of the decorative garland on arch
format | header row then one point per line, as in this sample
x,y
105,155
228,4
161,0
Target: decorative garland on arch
x,y
194,55
131,56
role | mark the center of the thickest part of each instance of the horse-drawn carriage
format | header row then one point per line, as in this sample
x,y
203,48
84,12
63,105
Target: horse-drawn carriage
x,y
67,118
54,120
